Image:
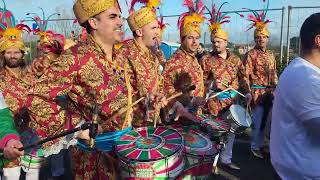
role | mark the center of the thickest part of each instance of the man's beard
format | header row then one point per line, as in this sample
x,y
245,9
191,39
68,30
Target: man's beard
x,y
14,63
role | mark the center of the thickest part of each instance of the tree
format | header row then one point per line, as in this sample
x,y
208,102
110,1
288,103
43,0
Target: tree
x,y
66,24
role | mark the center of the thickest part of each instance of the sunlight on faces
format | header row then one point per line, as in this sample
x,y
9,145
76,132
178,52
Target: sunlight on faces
x,y
108,25
261,41
13,57
191,42
150,34
218,45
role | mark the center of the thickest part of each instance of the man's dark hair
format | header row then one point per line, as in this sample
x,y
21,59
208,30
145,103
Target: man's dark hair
x,y
87,26
309,30
134,33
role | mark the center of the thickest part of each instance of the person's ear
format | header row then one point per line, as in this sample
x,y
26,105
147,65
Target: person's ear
x,y
93,23
139,32
317,40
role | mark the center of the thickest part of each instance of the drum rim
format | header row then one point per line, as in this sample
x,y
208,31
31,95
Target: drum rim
x,y
178,150
237,122
198,131
220,129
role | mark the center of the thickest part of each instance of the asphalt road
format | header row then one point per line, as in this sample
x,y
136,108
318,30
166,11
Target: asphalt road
x,y
251,168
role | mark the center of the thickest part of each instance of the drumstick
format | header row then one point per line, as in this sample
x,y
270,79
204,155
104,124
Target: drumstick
x,y
127,108
215,162
139,100
233,89
217,94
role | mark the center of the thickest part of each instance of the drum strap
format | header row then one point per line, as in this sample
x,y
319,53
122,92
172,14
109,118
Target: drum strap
x,y
227,95
104,142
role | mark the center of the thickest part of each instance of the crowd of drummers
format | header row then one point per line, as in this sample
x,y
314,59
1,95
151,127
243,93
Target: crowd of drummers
x,y
107,107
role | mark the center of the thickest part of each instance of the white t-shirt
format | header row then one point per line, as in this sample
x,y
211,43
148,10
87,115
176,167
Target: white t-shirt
x,y
294,153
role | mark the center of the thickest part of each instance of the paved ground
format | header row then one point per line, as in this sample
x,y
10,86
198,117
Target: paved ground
x,y
251,167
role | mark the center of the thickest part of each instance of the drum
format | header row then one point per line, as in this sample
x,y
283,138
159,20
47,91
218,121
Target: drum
x,y
214,127
239,118
199,153
150,153
34,160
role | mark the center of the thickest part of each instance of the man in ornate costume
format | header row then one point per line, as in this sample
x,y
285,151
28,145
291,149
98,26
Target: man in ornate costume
x,y
14,79
222,69
87,74
261,69
144,64
184,60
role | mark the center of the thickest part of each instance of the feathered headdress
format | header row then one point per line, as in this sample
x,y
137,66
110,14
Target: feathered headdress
x,y
161,23
143,16
217,18
152,4
259,20
191,20
10,32
48,39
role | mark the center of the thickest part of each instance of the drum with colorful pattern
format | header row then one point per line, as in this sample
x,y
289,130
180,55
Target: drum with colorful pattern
x,y
216,127
150,153
33,158
199,153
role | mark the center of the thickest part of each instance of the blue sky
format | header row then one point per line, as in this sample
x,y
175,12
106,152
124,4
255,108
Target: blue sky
x,y
174,7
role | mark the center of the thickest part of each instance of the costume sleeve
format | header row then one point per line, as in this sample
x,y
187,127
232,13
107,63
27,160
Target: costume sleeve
x,y
7,127
243,78
274,71
44,110
247,63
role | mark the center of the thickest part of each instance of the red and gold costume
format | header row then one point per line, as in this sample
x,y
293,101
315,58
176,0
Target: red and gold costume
x,y
143,64
88,78
224,73
14,83
229,71
260,64
144,74
81,72
182,61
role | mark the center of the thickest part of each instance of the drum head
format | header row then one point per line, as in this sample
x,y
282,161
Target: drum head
x,y
216,124
197,144
240,115
149,144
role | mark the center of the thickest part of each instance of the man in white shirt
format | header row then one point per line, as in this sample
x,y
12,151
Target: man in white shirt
x,y
295,129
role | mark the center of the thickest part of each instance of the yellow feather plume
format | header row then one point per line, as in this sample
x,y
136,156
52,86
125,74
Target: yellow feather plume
x,y
153,3
193,19
214,26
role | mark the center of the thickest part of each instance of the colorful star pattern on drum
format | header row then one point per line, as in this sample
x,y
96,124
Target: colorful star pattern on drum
x,y
199,152
261,70
167,141
229,71
144,74
150,153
